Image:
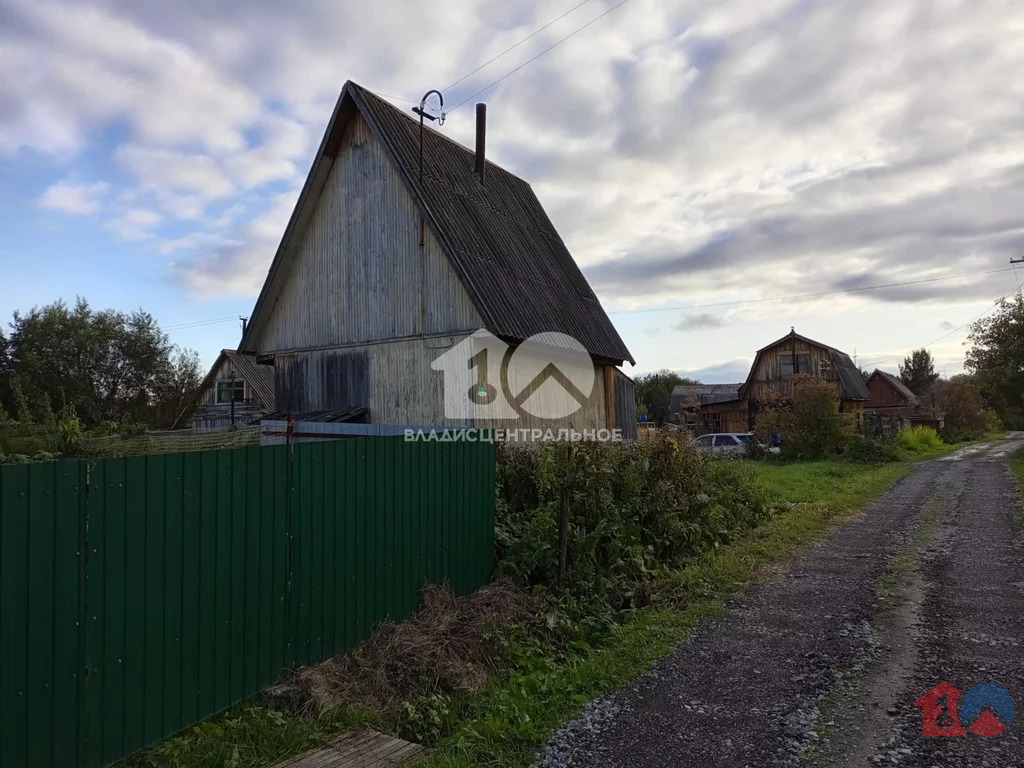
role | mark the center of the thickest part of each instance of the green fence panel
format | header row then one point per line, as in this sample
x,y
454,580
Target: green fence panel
x,y
139,595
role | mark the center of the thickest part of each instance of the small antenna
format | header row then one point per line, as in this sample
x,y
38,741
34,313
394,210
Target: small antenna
x,y
421,110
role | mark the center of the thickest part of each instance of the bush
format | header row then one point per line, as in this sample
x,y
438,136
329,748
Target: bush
x,y
961,403
918,440
809,420
633,509
872,449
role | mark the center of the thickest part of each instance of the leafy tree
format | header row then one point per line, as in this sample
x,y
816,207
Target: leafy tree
x,y
808,419
995,357
179,378
961,403
654,392
109,365
917,371
22,412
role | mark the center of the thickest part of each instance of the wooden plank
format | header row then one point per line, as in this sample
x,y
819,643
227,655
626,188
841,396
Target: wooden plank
x,y
363,749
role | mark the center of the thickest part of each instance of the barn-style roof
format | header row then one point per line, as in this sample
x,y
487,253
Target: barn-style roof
x,y
496,235
847,371
260,379
898,385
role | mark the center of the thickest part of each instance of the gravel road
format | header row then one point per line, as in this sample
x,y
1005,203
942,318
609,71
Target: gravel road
x,y
821,666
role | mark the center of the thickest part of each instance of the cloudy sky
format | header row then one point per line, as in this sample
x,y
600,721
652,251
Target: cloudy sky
x,y
701,159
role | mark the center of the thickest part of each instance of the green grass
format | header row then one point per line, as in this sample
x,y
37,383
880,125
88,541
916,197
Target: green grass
x,y
516,716
247,736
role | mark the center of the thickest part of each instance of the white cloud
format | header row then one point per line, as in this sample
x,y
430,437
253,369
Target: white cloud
x,y
175,171
78,199
688,152
135,224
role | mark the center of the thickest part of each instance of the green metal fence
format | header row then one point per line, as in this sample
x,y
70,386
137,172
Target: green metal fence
x,y
139,595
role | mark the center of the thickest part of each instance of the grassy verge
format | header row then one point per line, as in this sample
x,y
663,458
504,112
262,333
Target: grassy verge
x,y
520,710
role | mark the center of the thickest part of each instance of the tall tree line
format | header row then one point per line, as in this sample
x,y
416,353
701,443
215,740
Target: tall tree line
x,y
109,366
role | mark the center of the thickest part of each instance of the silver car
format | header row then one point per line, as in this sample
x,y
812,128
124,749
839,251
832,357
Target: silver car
x,y
725,442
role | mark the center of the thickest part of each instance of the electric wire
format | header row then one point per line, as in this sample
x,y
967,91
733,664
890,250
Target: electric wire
x,y
542,53
860,289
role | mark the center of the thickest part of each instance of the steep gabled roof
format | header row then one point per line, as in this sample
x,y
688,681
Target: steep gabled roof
x,y
847,371
496,235
898,385
260,379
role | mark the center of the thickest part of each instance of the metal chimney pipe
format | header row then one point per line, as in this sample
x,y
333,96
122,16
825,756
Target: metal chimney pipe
x,y
481,141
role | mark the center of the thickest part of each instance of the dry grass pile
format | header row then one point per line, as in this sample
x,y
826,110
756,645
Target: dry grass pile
x,y
444,647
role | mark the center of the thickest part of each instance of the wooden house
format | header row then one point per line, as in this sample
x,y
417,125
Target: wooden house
x,y
892,405
772,373
690,400
406,248
235,391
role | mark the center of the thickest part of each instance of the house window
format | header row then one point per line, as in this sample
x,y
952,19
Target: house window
x,y
794,362
230,391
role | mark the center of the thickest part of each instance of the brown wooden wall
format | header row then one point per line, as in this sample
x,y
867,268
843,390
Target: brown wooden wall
x,y
767,378
723,417
883,393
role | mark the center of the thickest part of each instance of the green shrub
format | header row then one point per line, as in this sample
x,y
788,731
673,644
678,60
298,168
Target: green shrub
x,y
918,440
634,509
873,449
808,419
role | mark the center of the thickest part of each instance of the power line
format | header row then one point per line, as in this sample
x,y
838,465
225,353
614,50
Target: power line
x,y
947,335
806,295
998,301
534,58
200,323
516,45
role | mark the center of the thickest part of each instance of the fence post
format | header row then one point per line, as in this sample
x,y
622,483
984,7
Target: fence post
x,y
563,518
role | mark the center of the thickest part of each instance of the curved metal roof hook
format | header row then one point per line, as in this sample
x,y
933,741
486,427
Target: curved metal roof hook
x,y
422,111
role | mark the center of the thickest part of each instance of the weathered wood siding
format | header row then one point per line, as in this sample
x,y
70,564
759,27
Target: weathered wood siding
x,y
883,393
360,274
210,414
723,417
625,405
767,376
393,379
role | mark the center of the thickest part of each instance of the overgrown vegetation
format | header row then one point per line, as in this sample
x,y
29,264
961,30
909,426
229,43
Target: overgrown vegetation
x,y
67,368
995,359
654,394
808,419
658,536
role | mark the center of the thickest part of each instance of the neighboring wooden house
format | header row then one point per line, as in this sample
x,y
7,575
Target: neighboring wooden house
x,y
387,265
772,374
235,391
689,399
892,405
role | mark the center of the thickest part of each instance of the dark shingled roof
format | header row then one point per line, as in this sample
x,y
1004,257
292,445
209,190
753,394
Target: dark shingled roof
x,y
498,238
849,374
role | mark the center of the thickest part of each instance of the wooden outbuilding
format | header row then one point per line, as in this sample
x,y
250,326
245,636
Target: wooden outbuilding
x,y
892,405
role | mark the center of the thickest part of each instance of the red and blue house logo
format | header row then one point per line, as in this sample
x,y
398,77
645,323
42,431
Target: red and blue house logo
x,y
985,710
